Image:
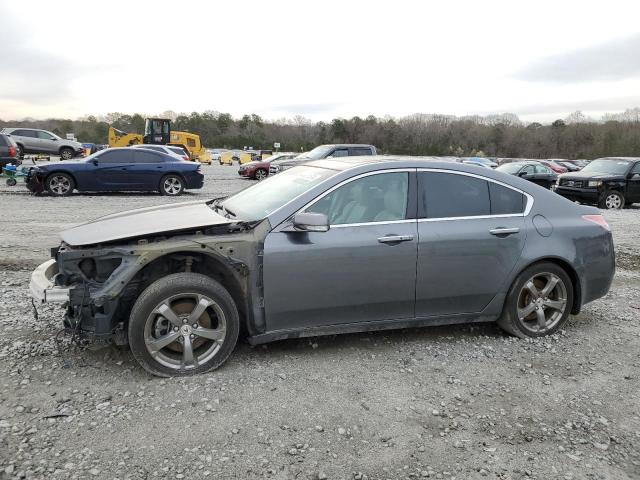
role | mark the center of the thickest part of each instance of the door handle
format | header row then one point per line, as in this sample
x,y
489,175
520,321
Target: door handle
x,y
395,238
503,231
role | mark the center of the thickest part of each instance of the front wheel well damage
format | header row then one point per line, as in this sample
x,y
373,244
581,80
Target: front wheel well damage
x,y
183,262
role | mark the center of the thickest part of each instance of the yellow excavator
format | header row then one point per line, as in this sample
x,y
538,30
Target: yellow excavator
x,y
157,131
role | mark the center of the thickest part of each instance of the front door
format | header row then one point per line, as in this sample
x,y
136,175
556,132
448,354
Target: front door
x,y
471,233
363,269
633,185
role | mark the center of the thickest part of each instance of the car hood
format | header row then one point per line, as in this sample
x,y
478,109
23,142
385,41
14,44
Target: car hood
x,y
51,165
253,164
144,221
591,176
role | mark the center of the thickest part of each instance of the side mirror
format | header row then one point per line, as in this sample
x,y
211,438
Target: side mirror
x,y
95,162
522,174
311,222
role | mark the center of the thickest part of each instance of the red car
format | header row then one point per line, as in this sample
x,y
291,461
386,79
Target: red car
x,y
556,167
259,170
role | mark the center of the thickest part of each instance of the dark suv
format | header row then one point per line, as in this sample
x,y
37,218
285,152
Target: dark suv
x,y
323,151
8,151
606,182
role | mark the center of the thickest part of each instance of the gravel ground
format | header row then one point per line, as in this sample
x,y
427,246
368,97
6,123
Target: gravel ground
x,y
459,402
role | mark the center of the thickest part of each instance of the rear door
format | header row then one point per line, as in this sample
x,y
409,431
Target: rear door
x,y
363,269
146,169
28,140
470,236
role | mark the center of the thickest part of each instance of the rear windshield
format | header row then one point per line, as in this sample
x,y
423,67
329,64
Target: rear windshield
x,y
509,167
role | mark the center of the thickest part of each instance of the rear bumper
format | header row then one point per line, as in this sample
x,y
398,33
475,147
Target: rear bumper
x,y
42,286
194,181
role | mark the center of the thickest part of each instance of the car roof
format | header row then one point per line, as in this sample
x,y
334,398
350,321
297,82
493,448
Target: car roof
x,y
632,159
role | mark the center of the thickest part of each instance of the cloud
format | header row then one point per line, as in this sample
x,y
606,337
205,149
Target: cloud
x,y
609,104
30,74
305,108
615,60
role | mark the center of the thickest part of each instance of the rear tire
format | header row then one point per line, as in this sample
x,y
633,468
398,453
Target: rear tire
x,y
183,324
60,184
612,199
66,153
539,301
20,152
171,185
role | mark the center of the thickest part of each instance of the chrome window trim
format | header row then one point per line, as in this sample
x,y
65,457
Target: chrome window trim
x,y
527,208
389,222
349,180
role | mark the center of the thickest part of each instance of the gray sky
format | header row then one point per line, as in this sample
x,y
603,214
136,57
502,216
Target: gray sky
x,y
320,59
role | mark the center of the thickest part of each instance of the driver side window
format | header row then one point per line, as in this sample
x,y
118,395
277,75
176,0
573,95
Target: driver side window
x,y
374,198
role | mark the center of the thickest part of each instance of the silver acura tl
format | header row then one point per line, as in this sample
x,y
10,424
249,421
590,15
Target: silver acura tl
x,y
332,246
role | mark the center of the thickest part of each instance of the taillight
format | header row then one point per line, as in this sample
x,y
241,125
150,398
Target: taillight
x,y
12,151
598,220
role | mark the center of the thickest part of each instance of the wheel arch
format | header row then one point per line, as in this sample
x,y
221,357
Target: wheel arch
x,y
66,147
178,261
570,271
66,172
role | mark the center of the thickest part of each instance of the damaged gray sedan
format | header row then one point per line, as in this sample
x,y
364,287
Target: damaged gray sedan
x,y
333,246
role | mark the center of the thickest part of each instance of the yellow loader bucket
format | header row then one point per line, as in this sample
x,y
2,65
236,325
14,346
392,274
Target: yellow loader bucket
x,y
245,158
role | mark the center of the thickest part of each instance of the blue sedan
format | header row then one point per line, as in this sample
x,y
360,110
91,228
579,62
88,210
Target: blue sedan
x,y
117,170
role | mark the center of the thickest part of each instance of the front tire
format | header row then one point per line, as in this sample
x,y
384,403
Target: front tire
x,y
60,184
171,185
539,301
260,174
183,324
612,200
66,153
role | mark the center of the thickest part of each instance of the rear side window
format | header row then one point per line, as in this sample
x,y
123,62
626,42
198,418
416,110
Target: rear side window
x,y
343,152
146,157
177,150
505,200
116,156
445,195
25,133
360,151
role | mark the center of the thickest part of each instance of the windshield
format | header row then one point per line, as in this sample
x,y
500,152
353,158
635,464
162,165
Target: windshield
x,y
612,166
317,153
509,167
258,201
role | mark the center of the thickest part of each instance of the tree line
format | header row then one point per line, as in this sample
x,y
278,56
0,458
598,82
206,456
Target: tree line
x,y
503,135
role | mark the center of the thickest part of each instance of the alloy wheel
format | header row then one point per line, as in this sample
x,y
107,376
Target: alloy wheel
x,y
542,302
172,186
261,174
59,184
614,201
66,154
185,331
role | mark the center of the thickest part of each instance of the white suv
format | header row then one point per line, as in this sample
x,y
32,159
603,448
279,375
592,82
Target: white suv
x,y
33,140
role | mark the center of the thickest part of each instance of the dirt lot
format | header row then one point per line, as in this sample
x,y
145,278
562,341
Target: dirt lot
x,y
459,402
